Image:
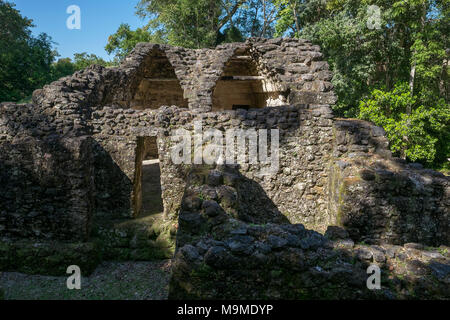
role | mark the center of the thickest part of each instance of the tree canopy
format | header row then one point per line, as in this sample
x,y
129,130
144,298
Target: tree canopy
x,y
25,60
196,23
390,58
393,71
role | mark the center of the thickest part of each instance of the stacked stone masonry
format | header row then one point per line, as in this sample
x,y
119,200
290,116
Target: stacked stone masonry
x,y
74,155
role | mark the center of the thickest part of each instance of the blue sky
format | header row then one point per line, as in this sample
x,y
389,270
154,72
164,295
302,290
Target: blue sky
x,y
99,19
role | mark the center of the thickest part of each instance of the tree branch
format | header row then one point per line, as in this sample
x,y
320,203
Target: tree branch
x,y
230,14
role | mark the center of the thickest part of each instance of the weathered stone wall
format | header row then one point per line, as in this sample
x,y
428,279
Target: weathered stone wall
x,y
91,123
220,256
298,189
117,131
99,101
46,179
378,198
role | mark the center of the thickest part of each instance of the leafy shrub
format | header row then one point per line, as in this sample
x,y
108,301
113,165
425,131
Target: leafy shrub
x,y
416,132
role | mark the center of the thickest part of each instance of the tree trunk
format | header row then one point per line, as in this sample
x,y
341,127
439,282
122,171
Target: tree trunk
x,y
230,14
443,81
294,12
412,76
263,32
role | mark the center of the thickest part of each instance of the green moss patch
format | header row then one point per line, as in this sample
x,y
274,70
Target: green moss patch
x,y
141,239
51,258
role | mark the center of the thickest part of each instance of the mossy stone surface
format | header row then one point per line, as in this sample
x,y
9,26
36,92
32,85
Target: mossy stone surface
x,y
49,258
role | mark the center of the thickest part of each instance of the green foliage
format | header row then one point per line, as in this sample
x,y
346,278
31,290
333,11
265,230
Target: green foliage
x,y
196,23
423,135
361,58
61,68
411,46
341,38
84,60
124,40
255,18
188,23
231,34
294,15
25,60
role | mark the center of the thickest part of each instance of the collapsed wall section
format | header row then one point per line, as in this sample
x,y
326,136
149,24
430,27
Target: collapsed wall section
x,y
297,66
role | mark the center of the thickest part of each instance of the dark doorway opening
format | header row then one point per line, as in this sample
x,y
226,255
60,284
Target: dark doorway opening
x,y
148,192
239,106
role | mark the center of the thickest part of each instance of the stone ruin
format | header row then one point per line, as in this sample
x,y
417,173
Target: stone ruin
x,y
86,175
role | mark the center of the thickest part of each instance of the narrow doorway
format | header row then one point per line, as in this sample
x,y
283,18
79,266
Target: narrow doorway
x,y
148,179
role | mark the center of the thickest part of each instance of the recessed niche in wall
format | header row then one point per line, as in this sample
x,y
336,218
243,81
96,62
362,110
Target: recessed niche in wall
x,y
242,86
159,85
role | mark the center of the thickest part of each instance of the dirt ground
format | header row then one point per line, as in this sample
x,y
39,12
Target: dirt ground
x,y
111,281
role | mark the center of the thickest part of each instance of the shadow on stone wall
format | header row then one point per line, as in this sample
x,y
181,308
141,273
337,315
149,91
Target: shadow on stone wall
x,y
397,207
113,188
290,262
240,198
220,256
380,199
46,187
